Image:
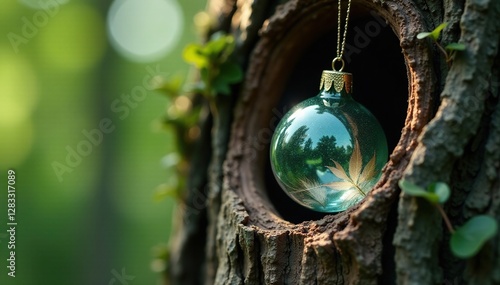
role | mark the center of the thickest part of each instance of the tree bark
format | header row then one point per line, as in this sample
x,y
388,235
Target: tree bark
x,y
237,229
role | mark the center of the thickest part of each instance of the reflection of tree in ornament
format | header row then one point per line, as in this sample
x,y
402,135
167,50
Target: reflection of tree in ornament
x,y
327,146
355,183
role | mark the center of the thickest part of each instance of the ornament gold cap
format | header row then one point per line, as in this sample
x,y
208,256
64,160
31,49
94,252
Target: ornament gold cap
x,y
336,79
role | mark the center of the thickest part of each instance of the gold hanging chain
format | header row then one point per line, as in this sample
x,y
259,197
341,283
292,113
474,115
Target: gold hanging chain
x,y
340,47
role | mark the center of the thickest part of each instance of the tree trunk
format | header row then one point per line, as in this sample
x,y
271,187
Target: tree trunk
x,y
442,123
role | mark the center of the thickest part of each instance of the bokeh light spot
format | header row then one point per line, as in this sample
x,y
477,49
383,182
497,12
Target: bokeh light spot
x,y
18,88
74,39
145,30
18,98
183,103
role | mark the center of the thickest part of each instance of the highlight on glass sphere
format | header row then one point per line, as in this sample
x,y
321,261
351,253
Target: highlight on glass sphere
x,y
328,152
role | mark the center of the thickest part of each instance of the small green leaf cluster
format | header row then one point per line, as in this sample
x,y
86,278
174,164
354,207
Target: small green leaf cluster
x,y
181,118
218,70
170,87
176,167
450,49
182,114
466,240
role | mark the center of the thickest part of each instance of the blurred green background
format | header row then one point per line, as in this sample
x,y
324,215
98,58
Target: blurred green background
x,y
85,207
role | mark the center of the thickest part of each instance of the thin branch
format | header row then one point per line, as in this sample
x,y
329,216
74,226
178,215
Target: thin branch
x,y
448,59
445,217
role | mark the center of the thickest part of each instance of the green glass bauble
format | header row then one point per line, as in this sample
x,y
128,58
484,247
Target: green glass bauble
x,y
329,150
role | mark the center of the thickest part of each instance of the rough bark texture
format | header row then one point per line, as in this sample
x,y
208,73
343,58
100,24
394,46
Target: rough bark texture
x,y
235,231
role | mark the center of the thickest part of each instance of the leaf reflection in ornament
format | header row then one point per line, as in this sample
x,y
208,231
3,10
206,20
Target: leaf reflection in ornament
x,y
353,182
314,191
358,176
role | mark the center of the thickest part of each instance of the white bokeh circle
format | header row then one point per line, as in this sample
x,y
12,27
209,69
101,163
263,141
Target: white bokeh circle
x,y
145,30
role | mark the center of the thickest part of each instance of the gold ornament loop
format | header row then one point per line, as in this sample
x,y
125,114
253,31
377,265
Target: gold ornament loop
x,y
335,60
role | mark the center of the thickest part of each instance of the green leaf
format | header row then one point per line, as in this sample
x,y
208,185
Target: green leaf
x,y
468,239
423,35
220,86
205,76
215,47
171,87
434,34
417,191
163,191
230,72
194,54
219,43
455,46
441,189
437,31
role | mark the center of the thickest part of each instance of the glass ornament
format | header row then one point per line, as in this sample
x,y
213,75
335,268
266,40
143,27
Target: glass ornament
x,y
328,151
